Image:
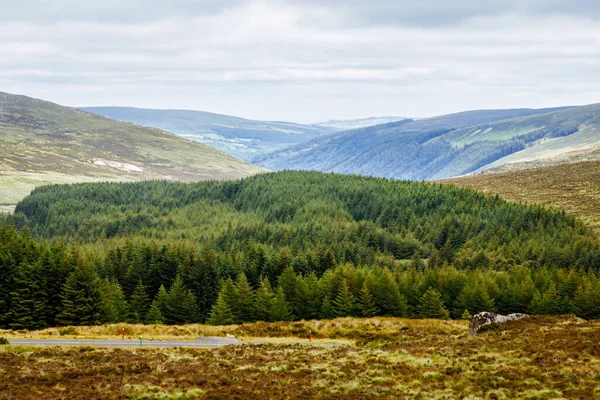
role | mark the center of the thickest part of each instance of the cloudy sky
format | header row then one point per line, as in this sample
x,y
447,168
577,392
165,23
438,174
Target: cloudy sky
x,y
303,60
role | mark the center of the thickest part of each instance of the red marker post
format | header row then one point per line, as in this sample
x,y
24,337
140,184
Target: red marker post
x,y
310,336
123,334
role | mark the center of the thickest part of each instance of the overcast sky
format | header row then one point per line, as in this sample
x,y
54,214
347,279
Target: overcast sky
x,y
303,60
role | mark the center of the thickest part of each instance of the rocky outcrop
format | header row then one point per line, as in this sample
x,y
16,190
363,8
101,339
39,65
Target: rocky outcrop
x,y
488,318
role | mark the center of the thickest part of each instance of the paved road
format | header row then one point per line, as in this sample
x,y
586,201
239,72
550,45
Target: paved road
x,y
213,341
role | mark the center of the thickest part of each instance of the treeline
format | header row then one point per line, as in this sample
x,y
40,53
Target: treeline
x,y
55,284
292,245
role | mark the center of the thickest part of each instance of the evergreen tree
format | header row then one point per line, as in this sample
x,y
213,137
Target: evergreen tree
x,y
327,309
586,302
387,297
366,302
139,303
114,307
474,298
466,315
27,300
245,299
221,313
154,316
431,305
343,304
288,282
262,301
161,300
81,297
229,294
180,305
279,307
550,303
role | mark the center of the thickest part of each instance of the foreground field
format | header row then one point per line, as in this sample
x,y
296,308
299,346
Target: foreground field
x,y
532,358
573,187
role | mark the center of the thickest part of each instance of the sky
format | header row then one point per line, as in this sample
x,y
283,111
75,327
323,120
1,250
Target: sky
x,y
303,60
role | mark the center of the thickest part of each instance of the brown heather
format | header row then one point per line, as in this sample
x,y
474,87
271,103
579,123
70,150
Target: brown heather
x,y
535,358
573,187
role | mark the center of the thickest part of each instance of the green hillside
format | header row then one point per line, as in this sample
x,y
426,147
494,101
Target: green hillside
x,y
442,146
240,137
291,245
43,143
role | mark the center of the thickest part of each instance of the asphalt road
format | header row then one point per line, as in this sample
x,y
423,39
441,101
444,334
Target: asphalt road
x,y
212,341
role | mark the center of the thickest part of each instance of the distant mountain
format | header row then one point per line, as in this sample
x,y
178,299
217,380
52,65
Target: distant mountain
x,y
243,138
432,148
43,142
347,124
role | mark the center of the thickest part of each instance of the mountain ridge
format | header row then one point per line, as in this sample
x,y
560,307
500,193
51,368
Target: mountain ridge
x,y
437,147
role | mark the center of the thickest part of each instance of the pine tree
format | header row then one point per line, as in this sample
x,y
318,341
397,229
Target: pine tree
x,y
221,313
81,297
27,299
343,304
161,300
180,304
245,299
114,307
586,302
288,282
366,302
279,307
154,316
388,297
262,300
326,309
139,303
466,315
431,305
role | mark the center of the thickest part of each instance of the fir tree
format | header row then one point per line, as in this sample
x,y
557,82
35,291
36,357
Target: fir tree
x,y
431,305
279,307
387,297
466,315
343,304
81,297
366,302
114,306
262,300
139,303
245,299
154,316
327,309
27,299
221,313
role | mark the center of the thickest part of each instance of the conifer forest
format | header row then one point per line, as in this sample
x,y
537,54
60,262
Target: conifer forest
x,y
286,246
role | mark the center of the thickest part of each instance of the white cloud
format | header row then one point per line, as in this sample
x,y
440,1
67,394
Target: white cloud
x,y
276,59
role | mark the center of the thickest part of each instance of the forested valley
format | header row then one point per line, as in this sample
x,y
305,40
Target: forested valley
x,y
284,246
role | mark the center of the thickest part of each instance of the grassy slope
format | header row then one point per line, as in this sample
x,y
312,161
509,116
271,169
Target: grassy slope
x,y
43,143
407,359
574,187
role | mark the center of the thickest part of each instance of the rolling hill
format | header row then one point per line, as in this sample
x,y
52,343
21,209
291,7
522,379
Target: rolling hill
x,y
45,143
445,146
573,187
242,138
